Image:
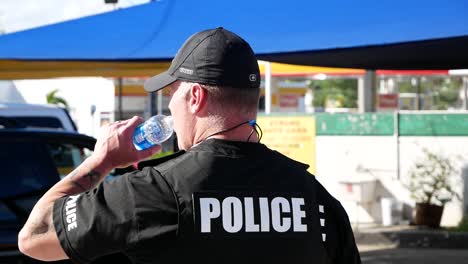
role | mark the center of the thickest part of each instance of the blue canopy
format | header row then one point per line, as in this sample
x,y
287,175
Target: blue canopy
x,y
430,34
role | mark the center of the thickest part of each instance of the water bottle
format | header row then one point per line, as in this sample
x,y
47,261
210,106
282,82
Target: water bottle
x,y
153,131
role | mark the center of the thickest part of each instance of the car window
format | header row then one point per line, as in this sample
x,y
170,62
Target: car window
x,y
6,214
40,121
66,157
26,166
29,168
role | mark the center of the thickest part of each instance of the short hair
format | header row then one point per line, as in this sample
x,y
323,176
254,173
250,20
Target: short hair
x,y
245,99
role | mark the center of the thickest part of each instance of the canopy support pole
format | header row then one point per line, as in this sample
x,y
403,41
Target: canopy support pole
x,y
367,92
153,100
120,85
160,97
267,87
465,86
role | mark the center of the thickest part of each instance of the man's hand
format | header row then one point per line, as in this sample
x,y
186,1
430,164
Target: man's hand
x,y
114,146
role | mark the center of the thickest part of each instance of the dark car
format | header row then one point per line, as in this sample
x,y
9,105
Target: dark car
x,y
31,161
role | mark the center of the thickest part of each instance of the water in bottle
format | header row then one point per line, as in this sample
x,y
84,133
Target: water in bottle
x,y
153,131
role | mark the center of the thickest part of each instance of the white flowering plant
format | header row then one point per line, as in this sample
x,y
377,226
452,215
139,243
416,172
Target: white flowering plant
x,y
432,179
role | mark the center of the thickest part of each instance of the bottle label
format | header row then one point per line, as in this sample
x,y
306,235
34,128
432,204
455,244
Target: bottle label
x,y
139,139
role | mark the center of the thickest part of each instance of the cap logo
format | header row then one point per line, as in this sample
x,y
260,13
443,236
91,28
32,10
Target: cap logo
x,y
186,71
252,77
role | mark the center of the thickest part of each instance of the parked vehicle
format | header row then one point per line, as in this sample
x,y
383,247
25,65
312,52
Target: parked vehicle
x,y
31,161
34,115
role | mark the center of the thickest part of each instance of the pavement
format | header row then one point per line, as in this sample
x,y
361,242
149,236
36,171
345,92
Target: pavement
x,y
415,256
406,236
411,244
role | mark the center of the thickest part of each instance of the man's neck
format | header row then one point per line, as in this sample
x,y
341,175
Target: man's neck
x,y
241,130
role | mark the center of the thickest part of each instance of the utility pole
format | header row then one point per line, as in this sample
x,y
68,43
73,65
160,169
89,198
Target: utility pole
x,y
2,26
119,79
113,2
465,92
367,92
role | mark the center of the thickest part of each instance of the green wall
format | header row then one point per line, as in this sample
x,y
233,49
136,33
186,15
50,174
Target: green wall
x,y
382,124
369,124
434,124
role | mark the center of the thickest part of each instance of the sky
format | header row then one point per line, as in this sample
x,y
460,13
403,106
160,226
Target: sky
x,y
17,15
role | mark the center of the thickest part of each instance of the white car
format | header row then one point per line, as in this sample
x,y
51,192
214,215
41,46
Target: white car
x,y
34,115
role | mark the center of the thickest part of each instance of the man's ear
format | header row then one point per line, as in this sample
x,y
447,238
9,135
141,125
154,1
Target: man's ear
x,y
198,97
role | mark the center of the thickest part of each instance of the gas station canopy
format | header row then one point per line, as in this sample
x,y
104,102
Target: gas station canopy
x,y
141,40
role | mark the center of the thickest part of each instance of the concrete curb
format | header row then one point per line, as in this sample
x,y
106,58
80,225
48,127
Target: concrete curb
x,y
410,237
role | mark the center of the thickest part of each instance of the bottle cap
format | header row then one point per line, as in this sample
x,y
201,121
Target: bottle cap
x,y
169,121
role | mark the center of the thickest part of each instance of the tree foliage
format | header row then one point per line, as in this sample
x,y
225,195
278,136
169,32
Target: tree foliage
x,y
52,98
342,90
445,91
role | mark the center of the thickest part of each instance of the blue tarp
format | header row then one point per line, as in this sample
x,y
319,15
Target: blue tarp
x,y
363,34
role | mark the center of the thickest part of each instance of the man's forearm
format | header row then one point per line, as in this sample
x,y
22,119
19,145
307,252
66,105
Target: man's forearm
x,y
39,230
84,178
114,148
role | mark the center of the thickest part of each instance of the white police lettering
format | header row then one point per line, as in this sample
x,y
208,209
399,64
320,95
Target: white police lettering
x,y
280,224
264,214
298,215
250,225
209,208
70,211
239,214
322,221
186,71
232,209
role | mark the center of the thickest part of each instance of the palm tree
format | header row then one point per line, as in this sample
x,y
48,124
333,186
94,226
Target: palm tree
x,y
52,98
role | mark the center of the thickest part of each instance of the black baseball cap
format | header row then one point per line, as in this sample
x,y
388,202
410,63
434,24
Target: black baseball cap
x,y
213,57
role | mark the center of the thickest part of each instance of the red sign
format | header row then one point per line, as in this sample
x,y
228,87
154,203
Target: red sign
x,y
388,101
289,100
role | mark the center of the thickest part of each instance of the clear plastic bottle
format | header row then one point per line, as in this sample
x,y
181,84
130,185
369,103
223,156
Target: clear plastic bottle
x,y
153,131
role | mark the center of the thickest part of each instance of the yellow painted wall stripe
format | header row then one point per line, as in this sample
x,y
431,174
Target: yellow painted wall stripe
x,y
281,69
14,69
17,69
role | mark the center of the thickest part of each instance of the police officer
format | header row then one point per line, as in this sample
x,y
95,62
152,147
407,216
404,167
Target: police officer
x,y
224,198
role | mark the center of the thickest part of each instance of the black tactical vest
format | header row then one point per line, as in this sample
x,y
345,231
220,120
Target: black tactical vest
x,y
242,203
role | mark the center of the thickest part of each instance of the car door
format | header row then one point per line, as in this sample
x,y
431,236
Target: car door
x,y
30,163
